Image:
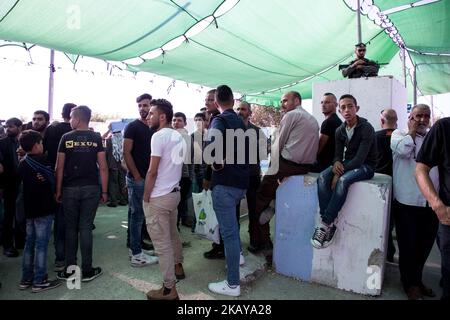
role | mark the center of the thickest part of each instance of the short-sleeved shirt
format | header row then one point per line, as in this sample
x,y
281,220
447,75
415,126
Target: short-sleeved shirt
x,y
141,134
384,151
81,148
435,151
52,138
328,128
168,144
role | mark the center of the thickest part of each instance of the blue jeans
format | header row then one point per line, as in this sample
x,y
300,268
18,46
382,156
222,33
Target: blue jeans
x,y
332,201
135,198
80,206
34,266
444,247
225,199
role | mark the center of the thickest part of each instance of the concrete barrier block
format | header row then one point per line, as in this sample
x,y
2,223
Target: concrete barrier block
x,y
355,261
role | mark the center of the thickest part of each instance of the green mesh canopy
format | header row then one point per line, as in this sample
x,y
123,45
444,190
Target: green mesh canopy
x,y
260,48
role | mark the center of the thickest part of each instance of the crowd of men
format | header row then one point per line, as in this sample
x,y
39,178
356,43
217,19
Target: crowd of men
x,y
54,176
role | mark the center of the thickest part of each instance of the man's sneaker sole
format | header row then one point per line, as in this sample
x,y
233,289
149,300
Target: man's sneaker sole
x,y
51,285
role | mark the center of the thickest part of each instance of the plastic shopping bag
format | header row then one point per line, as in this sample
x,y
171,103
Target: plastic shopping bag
x,y
207,225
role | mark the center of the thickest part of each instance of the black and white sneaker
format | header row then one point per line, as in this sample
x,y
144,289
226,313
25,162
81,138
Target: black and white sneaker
x,y
45,285
329,239
319,236
89,276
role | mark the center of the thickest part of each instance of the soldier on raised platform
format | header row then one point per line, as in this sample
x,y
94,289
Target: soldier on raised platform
x,y
360,67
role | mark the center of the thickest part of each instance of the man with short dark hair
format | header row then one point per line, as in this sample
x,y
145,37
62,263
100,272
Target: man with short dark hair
x,y
9,182
355,160
136,153
229,182
435,151
52,137
40,121
80,165
361,67
325,154
162,195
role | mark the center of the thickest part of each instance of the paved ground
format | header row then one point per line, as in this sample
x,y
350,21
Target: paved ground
x,y
121,281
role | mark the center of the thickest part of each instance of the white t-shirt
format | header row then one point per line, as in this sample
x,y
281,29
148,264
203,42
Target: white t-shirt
x,y
170,146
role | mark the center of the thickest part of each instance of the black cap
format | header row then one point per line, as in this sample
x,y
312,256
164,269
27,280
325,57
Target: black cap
x,y
361,44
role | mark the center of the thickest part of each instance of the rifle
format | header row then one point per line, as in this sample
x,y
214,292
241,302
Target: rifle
x,y
343,66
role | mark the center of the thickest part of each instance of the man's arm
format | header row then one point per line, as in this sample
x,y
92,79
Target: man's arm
x,y
59,171
103,168
426,186
150,179
127,147
323,139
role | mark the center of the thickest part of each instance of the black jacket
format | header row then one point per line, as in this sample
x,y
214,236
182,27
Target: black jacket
x,y
361,149
9,160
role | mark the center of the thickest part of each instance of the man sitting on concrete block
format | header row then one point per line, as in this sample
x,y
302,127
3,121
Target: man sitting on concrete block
x,y
355,160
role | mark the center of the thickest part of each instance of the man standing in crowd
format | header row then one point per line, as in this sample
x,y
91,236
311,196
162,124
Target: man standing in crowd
x,y
229,182
325,154
40,121
354,160
435,151
361,67
416,224
9,182
296,148
116,174
52,137
161,197
384,163
81,158
258,138
179,123
136,152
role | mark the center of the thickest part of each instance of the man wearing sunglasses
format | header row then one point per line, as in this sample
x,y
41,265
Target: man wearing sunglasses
x,y
361,67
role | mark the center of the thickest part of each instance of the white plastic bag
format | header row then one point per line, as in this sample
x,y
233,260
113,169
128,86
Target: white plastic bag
x,y
207,225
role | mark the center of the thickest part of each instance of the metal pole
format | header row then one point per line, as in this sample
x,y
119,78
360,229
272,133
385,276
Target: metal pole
x,y
403,52
50,83
358,19
415,86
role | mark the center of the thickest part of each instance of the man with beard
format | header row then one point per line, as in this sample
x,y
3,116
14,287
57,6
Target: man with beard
x,y
416,224
136,152
162,195
40,121
9,182
361,67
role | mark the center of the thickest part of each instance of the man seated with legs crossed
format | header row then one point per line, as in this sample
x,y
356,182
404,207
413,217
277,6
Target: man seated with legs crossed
x,y
357,137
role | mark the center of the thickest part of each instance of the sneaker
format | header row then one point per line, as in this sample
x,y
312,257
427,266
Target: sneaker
x,y
63,275
319,237
147,252
266,216
330,236
214,253
45,285
142,260
224,288
94,273
24,284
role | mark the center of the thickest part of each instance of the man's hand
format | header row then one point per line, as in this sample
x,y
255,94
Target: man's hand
x,y
205,184
1,168
338,169
104,197
412,127
58,197
443,213
334,182
137,179
358,64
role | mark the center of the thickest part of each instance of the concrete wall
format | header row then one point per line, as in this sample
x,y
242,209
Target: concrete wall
x,y
356,260
373,95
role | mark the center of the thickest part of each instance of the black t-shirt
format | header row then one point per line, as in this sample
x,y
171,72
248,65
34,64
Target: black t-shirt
x,y
384,151
141,134
81,148
38,194
328,127
52,138
435,151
